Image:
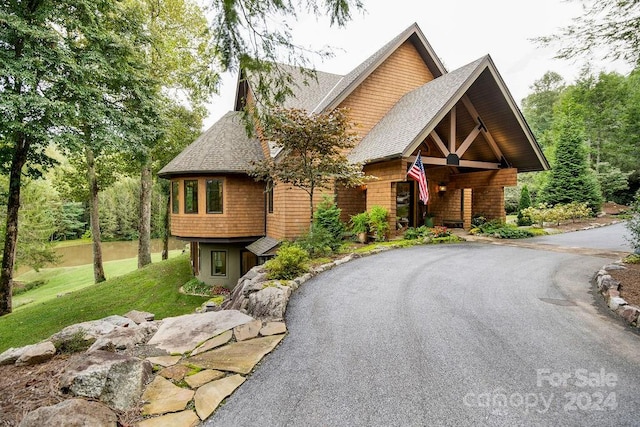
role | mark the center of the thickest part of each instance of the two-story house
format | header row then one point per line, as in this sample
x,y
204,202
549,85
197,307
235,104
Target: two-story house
x,y
469,130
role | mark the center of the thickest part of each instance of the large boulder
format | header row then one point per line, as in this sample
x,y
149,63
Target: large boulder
x,y
183,334
9,356
125,338
269,303
36,353
115,379
90,331
71,413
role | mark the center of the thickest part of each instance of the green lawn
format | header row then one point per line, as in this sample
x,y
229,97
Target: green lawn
x,y
153,289
61,280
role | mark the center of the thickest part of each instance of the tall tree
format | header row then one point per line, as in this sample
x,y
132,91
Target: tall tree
x,y
537,107
31,58
571,179
312,151
110,92
608,28
181,58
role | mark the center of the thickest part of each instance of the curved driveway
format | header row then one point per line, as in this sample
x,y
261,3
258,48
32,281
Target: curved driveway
x,y
465,334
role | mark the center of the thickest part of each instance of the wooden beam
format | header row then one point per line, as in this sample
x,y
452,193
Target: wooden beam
x,y
468,140
479,165
474,113
452,130
434,161
439,143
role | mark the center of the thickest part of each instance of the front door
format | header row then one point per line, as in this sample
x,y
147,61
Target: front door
x,y
404,205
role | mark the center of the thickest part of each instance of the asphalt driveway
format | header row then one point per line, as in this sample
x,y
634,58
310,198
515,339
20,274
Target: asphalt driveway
x,y
465,334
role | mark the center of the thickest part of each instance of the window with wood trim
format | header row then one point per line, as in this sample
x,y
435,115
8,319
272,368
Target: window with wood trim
x,y
218,263
270,199
214,196
175,202
190,196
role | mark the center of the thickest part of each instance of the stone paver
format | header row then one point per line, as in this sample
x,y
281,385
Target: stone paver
x,y
273,328
209,396
164,360
201,378
214,342
161,396
238,357
182,334
179,419
247,331
175,372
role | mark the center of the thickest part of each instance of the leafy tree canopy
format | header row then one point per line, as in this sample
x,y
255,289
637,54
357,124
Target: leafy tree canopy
x,y
609,28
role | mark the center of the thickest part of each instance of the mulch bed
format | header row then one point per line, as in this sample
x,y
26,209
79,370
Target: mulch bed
x,y
23,389
630,280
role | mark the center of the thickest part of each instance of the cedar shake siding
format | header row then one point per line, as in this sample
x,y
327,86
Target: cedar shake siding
x,y
402,72
242,215
291,215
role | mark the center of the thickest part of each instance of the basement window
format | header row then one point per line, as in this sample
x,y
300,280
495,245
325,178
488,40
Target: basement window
x,y
218,263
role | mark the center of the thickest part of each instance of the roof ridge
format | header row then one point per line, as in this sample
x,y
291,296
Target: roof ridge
x,y
371,63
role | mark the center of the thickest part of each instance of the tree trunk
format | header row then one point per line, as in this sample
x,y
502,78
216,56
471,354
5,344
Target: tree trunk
x,y
167,228
11,236
98,269
144,238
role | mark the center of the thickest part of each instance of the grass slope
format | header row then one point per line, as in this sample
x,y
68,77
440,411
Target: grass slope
x,y
61,280
153,289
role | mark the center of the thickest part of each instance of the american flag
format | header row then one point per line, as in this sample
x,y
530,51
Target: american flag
x,y
416,171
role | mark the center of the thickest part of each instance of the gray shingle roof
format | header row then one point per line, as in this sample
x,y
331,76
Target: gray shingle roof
x,y
263,246
412,115
309,91
223,148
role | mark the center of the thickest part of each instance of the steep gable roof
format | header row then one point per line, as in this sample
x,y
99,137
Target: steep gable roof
x,y
417,113
350,82
223,148
411,115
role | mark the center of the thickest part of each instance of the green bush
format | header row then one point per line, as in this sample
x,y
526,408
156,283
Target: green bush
x,y
558,213
318,242
196,287
478,219
379,222
290,262
327,216
633,225
360,223
423,232
500,230
525,202
20,289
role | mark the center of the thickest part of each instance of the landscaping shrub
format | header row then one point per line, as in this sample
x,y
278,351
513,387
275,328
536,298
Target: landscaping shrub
x,y
478,219
359,223
327,216
498,229
633,225
379,222
290,262
558,213
525,202
423,232
318,242
196,287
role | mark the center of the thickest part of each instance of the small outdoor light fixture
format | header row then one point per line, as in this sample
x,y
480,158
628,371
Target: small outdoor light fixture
x,y
442,187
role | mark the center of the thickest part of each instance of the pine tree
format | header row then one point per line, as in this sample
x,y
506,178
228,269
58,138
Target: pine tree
x,y
571,180
525,202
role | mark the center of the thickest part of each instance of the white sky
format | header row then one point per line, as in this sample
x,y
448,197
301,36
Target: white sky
x,y
460,31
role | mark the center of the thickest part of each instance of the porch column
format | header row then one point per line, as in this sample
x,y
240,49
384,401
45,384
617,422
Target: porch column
x,y
467,208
